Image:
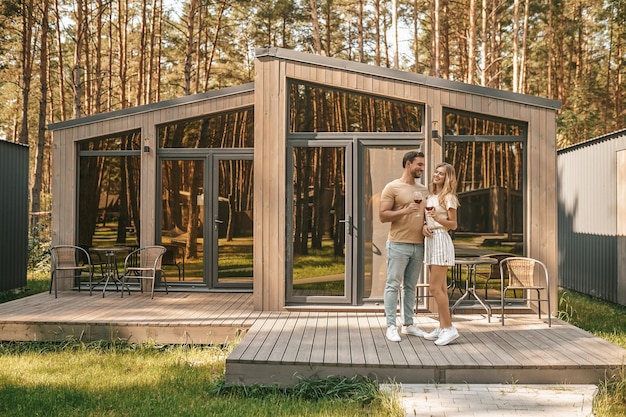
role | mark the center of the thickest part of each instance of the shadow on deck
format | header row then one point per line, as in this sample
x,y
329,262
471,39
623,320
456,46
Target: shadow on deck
x,y
283,348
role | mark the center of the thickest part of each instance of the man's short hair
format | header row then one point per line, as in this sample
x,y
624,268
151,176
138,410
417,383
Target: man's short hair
x,y
410,156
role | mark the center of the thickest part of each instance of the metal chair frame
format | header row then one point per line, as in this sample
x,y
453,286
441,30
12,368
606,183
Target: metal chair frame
x,y
67,258
150,259
522,276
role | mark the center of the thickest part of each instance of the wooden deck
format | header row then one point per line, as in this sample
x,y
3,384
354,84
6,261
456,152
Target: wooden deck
x,y
281,348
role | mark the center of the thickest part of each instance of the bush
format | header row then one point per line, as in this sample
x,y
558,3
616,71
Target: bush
x,y
39,247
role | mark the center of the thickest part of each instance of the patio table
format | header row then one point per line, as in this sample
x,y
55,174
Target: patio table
x,y
111,271
470,280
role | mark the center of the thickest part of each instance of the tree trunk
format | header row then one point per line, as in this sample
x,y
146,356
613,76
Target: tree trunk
x,y
191,22
394,29
123,40
515,45
27,65
41,130
471,43
61,74
360,30
436,55
78,53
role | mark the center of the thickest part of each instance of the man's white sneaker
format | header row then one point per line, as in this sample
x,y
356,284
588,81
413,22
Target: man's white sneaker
x,y
392,334
412,330
434,335
446,336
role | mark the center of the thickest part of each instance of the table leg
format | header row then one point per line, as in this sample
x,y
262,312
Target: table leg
x,y
470,289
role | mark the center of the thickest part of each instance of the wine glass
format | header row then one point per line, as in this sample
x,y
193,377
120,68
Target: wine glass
x,y
418,197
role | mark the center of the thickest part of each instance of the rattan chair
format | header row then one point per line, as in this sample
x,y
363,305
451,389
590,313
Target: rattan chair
x,y
149,267
70,258
525,274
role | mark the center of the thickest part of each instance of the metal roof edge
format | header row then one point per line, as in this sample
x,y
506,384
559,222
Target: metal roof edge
x,y
592,141
426,80
222,92
15,143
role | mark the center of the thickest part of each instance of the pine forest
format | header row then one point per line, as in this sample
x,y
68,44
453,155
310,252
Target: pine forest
x,y
61,59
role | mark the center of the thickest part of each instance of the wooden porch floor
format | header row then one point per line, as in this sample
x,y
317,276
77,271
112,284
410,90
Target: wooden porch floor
x,y
281,348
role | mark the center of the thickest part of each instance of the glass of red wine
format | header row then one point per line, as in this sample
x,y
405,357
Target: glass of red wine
x,y
418,197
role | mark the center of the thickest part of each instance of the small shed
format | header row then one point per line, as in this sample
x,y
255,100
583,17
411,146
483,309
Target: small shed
x,y
13,215
251,185
592,217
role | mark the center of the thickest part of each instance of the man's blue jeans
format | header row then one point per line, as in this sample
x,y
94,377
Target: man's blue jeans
x,y
404,264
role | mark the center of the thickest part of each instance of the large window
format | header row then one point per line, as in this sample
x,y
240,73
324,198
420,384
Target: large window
x,y
320,109
488,155
222,130
108,190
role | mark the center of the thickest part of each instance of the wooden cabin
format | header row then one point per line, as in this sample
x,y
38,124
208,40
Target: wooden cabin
x,y
272,187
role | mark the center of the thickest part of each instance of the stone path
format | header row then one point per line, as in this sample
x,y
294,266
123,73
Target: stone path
x,y
495,400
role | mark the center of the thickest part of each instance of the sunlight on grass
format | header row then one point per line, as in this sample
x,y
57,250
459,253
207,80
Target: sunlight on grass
x,y
101,379
607,321
318,262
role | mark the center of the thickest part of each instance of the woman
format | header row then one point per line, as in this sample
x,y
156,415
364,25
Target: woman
x,y
441,206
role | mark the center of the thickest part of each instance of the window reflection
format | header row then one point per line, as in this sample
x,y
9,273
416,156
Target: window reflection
x,y
318,109
108,200
223,130
122,142
490,186
318,228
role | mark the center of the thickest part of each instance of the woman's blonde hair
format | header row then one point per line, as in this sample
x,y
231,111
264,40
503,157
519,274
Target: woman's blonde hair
x,y
449,184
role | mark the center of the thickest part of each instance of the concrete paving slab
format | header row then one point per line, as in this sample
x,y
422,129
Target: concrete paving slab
x,y
495,400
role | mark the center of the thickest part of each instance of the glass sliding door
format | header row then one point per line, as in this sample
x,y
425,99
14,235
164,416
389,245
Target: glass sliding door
x,y
206,220
231,217
380,165
182,219
338,242
321,225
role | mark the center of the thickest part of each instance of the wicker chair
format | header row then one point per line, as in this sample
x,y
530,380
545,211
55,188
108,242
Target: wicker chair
x,y
525,274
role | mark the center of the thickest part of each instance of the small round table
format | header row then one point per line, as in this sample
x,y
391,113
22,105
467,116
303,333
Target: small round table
x,y
470,281
111,264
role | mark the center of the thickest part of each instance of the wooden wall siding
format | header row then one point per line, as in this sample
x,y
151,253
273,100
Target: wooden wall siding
x,y
272,74
269,185
65,160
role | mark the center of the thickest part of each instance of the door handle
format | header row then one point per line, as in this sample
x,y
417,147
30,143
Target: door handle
x,y
217,221
349,225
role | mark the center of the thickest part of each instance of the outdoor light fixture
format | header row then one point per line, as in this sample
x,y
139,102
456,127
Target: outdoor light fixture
x,y
434,132
146,145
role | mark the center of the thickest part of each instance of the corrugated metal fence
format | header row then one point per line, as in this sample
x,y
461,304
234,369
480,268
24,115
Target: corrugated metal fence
x,y
587,204
13,215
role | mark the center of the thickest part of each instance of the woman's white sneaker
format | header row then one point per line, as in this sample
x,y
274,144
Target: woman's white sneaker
x,y
434,335
446,336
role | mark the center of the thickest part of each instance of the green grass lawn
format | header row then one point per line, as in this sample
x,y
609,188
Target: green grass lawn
x,y
607,321
101,379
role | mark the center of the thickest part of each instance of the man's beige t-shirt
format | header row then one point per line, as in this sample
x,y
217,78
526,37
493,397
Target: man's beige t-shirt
x,y
408,228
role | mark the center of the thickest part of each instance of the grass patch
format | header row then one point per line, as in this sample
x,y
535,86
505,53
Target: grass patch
x,y
107,379
36,282
607,321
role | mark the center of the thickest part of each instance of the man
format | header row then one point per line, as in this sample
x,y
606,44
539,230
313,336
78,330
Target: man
x,y
405,243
